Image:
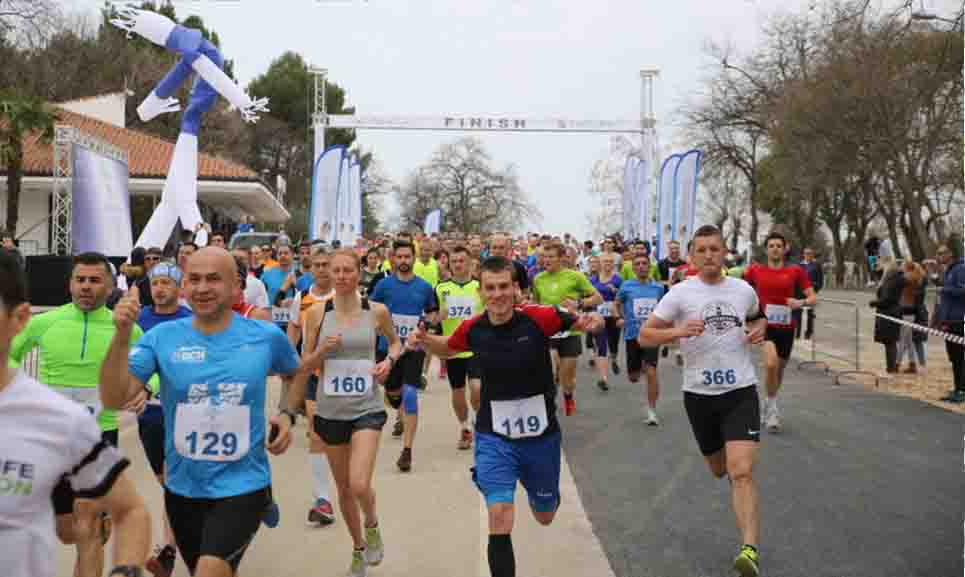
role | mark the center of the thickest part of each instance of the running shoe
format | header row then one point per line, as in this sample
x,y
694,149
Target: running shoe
x,y
569,406
680,360
405,460
358,566
602,385
397,429
592,362
747,562
465,440
162,563
774,421
664,352
321,514
956,397
375,549
652,420
614,367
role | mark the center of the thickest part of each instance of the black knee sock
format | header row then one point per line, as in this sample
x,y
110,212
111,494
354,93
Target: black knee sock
x,y
502,561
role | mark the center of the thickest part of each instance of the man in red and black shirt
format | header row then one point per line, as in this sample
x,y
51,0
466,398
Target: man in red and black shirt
x,y
517,432
776,284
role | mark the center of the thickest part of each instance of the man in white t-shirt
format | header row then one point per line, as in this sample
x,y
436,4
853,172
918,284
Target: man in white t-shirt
x,y
48,437
255,292
717,319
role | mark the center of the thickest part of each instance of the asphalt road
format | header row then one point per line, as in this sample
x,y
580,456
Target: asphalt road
x,y
858,484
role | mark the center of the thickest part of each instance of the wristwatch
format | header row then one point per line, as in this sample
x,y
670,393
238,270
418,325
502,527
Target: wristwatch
x,y
290,414
126,571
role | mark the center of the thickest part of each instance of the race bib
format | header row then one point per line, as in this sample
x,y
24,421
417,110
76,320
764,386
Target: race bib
x,y
89,397
204,432
281,315
405,324
348,377
778,314
605,309
715,373
460,307
520,418
642,307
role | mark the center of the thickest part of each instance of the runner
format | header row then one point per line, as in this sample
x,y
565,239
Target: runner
x,y
371,273
668,266
459,300
47,441
500,245
254,290
607,282
517,432
213,369
426,267
241,305
570,289
73,341
716,319
776,284
165,279
350,412
633,304
310,309
408,299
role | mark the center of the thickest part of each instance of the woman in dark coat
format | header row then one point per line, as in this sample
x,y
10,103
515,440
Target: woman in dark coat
x,y
888,302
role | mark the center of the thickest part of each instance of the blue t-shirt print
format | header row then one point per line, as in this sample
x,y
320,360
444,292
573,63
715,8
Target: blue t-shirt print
x,y
638,300
213,393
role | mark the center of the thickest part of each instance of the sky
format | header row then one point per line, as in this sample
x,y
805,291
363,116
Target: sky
x,y
576,59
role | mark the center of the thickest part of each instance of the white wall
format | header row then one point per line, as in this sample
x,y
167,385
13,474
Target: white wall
x,y
34,206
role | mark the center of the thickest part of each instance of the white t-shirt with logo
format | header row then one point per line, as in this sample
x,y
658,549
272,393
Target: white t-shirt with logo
x,y
718,361
45,437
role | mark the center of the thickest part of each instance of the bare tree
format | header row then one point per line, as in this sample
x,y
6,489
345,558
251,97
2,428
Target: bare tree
x,y
27,20
724,202
473,195
606,187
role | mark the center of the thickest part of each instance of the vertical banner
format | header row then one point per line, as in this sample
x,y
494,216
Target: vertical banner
x,y
629,196
101,210
322,216
433,222
685,194
666,208
356,202
344,199
642,195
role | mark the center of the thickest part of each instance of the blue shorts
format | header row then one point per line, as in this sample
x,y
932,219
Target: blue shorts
x,y
535,463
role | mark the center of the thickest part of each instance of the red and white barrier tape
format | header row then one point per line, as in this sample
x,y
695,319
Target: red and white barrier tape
x,y
922,329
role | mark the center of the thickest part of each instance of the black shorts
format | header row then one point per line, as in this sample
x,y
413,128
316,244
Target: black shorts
x,y
150,428
406,371
460,370
63,495
719,419
221,528
638,356
569,348
783,339
340,432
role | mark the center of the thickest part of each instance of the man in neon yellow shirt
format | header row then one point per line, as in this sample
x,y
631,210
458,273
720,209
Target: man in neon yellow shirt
x,y
571,290
459,300
73,342
426,266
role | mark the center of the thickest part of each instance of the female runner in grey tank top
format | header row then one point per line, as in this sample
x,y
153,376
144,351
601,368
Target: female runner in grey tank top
x,y
349,411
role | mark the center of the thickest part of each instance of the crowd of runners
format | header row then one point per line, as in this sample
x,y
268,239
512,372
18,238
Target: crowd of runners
x,y
350,333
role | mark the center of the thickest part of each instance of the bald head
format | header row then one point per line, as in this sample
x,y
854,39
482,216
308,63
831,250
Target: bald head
x,y
210,282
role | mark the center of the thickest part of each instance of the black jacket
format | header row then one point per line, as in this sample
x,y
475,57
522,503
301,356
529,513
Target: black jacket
x,y
888,302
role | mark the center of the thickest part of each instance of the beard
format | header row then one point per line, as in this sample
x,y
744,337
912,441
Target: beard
x,y
404,268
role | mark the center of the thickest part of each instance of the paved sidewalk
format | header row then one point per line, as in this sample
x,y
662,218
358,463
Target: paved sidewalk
x,y
432,519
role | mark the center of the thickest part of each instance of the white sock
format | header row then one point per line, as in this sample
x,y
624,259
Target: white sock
x,y
772,403
320,474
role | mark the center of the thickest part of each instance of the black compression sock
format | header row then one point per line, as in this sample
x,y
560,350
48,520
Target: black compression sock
x,y
502,561
567,395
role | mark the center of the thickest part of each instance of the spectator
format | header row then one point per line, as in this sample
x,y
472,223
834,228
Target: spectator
x,y
871,247
9,244
888,302
816,274
913,310
951,311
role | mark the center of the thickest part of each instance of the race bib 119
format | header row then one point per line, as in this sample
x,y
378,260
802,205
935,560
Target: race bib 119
x,y
520,418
